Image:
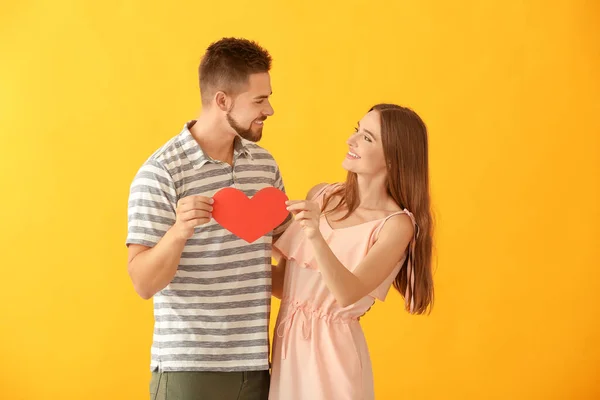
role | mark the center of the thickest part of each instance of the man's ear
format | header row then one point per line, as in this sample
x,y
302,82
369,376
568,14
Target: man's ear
x,y
223,101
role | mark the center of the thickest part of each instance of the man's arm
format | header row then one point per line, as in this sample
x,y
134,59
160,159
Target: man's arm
x,y
158,229
152,268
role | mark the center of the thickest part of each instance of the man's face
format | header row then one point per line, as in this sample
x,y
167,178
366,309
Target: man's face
x,y
251,108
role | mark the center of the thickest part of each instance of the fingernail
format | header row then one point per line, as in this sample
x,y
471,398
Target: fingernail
x,y
212,201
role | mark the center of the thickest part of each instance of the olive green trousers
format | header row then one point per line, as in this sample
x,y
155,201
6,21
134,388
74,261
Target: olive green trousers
x,y
246,385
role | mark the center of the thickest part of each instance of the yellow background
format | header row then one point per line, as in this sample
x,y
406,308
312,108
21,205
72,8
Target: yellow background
x,y
509,91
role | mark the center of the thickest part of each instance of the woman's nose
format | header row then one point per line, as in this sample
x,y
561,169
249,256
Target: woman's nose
x,y
351,140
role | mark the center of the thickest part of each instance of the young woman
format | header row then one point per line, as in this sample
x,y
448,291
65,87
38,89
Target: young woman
x,y
348,244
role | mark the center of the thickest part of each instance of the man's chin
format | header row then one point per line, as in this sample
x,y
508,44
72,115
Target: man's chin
x,y
253,136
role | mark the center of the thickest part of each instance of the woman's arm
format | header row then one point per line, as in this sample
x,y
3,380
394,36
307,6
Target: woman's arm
x,y
278,271
349,287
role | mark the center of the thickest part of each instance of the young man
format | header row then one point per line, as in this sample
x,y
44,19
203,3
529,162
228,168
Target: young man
x,y
211,290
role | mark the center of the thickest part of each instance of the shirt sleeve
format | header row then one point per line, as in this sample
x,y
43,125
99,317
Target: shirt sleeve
x,y
152,204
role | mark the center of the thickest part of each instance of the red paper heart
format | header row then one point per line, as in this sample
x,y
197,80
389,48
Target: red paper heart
x,y
249,219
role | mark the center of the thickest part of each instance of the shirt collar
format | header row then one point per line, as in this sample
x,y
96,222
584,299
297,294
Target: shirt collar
x,y
194,152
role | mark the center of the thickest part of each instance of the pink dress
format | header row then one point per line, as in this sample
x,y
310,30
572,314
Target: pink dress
x,y
319,350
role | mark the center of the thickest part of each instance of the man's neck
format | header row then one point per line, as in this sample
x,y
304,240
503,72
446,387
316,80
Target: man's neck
x,y
216,142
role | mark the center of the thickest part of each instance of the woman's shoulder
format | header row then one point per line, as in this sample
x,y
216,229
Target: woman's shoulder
x,y
398,226
316,190
321,188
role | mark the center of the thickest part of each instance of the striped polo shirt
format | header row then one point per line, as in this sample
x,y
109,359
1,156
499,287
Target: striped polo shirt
x,y
214,315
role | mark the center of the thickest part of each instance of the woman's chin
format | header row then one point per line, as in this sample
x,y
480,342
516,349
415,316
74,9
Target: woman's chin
x,y
346,165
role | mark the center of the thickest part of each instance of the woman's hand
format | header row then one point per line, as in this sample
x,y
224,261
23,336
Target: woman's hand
x,y
308,214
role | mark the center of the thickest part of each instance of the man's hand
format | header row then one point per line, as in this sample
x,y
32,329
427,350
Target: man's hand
x,y
192,211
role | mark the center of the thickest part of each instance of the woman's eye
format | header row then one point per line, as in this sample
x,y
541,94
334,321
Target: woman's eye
x,y
368,139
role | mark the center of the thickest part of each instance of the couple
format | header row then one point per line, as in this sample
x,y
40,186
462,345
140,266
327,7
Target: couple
x,y
338,250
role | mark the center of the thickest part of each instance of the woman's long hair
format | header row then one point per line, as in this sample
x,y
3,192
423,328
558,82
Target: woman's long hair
x,y
405,147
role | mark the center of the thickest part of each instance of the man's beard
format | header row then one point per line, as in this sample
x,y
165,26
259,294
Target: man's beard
x,y
243,132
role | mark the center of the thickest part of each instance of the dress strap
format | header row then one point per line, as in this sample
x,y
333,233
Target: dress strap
x,y
383,221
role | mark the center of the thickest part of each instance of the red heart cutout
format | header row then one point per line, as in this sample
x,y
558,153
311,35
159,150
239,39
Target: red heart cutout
x,y
249,219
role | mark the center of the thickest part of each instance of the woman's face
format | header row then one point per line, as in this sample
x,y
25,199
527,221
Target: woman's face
x,y
365,148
